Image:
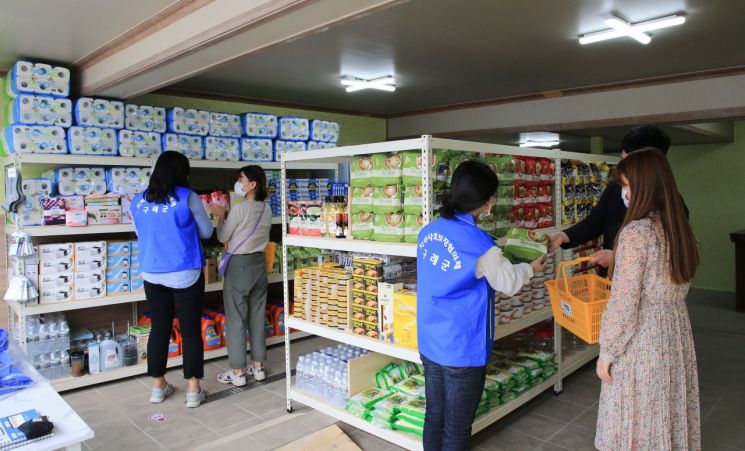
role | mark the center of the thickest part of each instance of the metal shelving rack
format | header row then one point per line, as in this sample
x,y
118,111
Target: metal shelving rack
x,y
425,144
21,310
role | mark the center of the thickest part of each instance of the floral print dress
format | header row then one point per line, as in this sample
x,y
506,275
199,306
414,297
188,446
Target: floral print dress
x,y
652,402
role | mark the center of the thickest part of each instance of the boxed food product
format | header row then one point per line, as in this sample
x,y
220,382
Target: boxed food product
x,y
386,169
525,245
388,199
388,227
385,309
404,319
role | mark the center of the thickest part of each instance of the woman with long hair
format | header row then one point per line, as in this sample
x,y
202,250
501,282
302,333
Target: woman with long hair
x,y
246,233
458,270
649,396
169,220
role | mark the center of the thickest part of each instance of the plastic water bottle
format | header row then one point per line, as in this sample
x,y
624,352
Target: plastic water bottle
x,y
300,373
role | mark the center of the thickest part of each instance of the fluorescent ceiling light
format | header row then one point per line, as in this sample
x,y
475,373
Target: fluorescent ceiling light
x,y
356,84
638,31
539,143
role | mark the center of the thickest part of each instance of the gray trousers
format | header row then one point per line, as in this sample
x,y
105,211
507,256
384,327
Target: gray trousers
x,y
244,295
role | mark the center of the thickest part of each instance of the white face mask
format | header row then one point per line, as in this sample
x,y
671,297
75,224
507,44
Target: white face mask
x,y
624,196
485,214
238,188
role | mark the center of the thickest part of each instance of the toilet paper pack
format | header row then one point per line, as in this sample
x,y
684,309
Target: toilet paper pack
x,y
139,144
316,145
293,128
127,180
37,187
325,131
22,139
260,125
92,141
288,146
222,149
145,118
188,120
80,181
257,149
40,110
30,212
190,146
37,78
94,112
224,124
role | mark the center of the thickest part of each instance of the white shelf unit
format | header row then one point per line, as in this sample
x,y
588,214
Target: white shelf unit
x,y
425,144
71,383
64,232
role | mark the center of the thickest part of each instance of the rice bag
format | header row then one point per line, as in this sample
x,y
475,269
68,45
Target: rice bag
x,y
362,171
387,199
524,245
362,199
388,415
413,196
410,387
410,419
419,368
528,364
369,397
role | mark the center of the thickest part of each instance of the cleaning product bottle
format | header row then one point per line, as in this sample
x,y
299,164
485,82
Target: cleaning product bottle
x,y
111,352
144,319
279,321
269,330
219,319
174,345
209,334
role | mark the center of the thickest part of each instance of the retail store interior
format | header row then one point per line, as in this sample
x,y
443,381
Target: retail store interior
x,y
358,112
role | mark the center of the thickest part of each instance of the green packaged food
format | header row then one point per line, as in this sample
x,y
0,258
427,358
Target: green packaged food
x,y
358,410
543,358
388,227
524,245
520,389
413,199
404,426
383,414
413,224
362,171
508,396
410,419
388,376
414,407
419,378
388,199
394,402
386,169
410,387
362,199
381,423
419,368
410,369
536,373
412,168
528,364
369,397
362,225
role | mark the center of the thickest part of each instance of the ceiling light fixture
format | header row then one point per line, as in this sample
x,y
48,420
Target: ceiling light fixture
x,y
387,83
638,31
539,143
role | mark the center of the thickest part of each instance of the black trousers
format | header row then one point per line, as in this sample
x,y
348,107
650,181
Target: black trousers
x,y
187,303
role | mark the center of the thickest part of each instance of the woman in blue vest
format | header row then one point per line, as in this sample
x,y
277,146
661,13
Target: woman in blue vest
x,y
458,269
170,219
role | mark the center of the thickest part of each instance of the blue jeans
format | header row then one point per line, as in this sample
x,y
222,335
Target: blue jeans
x,y
453,395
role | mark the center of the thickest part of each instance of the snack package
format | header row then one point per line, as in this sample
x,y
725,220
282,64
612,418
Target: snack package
x,y
413,199
389,376
412,168
362,225
410,419
368,398
405,426
362,199
388,227
525,245
362,171
412,226
387,169
387,199
410,387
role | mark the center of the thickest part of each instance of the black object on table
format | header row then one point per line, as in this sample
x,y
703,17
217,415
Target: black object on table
x,y
739,239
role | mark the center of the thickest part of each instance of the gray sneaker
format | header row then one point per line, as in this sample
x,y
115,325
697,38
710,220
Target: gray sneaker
x,y
195,399
258,373
159,394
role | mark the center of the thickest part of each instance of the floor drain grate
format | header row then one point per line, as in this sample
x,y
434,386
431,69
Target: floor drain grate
x,y
235,390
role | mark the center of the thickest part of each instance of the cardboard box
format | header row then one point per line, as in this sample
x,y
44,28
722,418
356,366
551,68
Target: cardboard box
x,y
56,251
74,202
210,271
53,293
89,285
118,261
365,328
113,288
90,249
385,309
117,275
118,248
404,319
61,279
136,285
86,264
135,271
53,211
62,265
104,214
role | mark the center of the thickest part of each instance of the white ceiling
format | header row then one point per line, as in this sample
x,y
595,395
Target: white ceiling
x,y
64,31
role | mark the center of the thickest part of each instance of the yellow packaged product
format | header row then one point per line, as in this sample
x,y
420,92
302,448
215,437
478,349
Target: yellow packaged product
x,y
404,319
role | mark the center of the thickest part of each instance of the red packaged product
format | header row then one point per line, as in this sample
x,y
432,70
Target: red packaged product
x,y
517,218
530,216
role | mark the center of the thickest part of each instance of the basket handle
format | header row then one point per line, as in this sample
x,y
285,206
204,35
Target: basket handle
x,y
561,273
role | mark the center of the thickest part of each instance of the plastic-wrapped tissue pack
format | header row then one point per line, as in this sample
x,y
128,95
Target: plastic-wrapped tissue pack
x,y
91,112
38,78
315,145
189,121
145,118
139,144
293,128
40,110
257,149
92,141
260,125
79,181
288,146
325,131
222,149
21,139
224,124
190,146
127,180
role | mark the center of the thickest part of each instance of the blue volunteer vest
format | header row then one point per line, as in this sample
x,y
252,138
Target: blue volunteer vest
x,y
455,310
167,234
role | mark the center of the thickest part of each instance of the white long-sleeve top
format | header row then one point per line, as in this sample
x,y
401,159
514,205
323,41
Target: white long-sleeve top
x,y
502,275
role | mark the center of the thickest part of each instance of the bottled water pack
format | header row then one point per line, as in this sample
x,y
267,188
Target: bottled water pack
x,y
189,121
41,110
38,78
324,373
288,146
222,149
145,118
224,124
79,181
22,139
293,128
127,180
260,125
139,144
91,112
92,141
190,146
325,131
257,149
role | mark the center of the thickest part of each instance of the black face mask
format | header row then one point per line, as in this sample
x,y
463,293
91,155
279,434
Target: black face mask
x,y
38,427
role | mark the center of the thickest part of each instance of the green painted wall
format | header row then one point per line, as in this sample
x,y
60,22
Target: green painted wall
x,y
711,178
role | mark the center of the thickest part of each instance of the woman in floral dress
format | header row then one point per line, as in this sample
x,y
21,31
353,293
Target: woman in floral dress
x,y
649,397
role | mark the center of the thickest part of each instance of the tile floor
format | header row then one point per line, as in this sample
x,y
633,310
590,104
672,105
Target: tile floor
x,y
256,418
